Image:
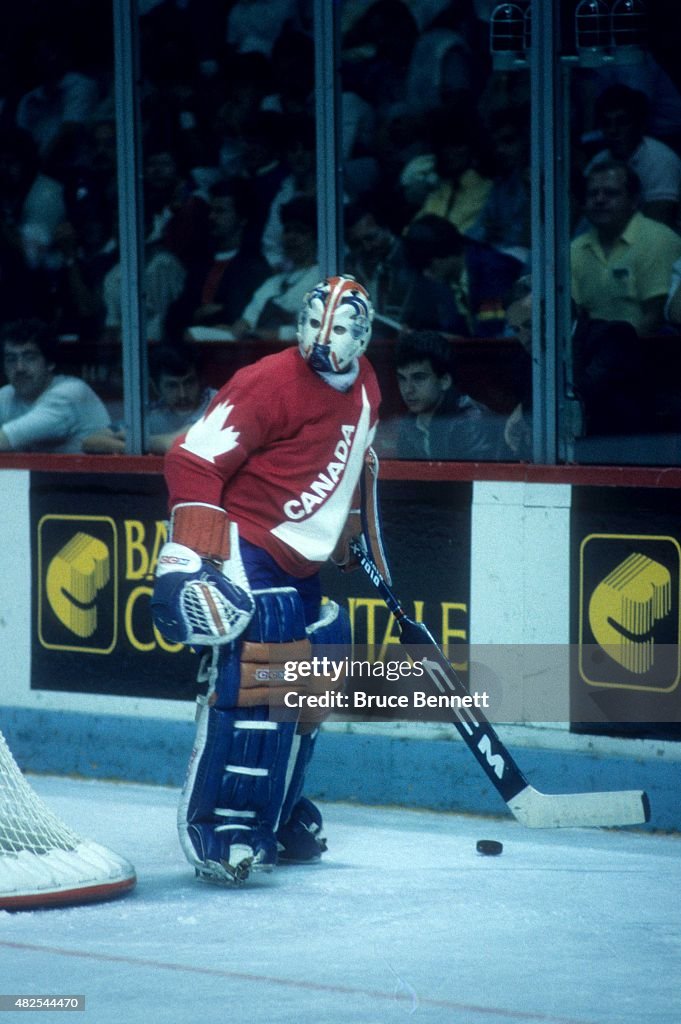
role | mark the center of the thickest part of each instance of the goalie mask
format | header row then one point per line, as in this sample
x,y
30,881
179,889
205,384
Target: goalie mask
x,y
334,325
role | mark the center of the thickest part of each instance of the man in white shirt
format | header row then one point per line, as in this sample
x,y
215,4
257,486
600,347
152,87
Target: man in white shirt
x,y
622,115
41,411
181,401
272,310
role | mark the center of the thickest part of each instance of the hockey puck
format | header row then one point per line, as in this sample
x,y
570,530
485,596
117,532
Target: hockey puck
x,y
489,847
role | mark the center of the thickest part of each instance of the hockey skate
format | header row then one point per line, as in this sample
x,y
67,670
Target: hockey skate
x,y
232,863
301,840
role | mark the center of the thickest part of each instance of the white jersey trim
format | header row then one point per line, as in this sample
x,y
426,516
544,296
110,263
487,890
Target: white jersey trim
x,y
315,536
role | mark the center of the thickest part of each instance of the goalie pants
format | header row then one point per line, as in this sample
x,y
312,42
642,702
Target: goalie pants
x,y
264,573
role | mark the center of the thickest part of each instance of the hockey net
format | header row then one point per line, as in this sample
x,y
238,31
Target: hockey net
x,y
42,862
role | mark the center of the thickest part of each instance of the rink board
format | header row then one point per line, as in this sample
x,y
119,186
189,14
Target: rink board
x,y
481,561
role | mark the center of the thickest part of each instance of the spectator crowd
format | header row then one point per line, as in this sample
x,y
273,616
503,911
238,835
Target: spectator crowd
x,y
435,145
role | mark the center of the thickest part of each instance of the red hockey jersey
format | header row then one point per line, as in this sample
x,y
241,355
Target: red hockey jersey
x,y
282,452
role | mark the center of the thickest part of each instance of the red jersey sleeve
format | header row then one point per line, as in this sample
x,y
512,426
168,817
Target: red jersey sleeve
x,y
236,423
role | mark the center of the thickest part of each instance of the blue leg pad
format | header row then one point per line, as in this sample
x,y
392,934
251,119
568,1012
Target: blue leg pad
x,y
300,835
278,619
246,774
301,839
233,792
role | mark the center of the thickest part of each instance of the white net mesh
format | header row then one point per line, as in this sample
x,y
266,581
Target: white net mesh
x,y
26,823
42,860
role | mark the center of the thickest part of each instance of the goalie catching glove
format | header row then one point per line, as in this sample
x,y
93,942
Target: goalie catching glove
x,y
201,592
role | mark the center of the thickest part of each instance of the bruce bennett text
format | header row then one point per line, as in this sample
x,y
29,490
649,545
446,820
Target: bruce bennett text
x,y
360,701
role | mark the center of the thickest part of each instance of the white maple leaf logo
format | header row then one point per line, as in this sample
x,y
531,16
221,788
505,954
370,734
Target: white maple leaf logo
x,y
210,436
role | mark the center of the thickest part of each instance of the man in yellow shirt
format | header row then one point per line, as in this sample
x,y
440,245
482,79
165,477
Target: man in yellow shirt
x,y
621,266
462,188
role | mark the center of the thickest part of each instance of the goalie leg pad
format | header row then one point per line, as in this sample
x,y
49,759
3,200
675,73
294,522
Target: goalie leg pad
x,y
330,637
252,667
240,768
233,792
301,840
333,628
300,836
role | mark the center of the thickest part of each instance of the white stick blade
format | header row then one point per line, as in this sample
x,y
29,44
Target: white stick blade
x,y
579,810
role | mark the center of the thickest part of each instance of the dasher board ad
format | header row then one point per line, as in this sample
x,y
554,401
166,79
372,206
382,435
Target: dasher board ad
x,y
95,540
626,611
94,545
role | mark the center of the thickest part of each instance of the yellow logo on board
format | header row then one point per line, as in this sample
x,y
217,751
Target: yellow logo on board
x,y
77,583
624,608
630,612
74,578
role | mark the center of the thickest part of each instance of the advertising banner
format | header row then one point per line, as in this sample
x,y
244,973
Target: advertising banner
x,y
95,541
626,611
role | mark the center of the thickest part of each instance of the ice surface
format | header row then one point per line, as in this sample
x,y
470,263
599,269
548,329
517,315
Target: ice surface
x,y
402,920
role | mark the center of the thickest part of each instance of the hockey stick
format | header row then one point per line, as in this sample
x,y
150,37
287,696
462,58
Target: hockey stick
x,y
528,805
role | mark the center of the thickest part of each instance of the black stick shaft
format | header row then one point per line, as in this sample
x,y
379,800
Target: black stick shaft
x,y
474,728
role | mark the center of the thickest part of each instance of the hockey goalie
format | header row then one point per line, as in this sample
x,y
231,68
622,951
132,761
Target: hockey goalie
x,y
262,491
